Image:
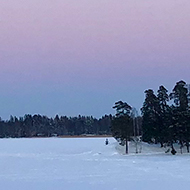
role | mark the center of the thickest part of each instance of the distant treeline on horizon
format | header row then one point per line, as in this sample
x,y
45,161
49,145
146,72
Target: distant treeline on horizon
x,y
43,126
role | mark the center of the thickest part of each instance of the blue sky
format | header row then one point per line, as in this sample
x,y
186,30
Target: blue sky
x,y
69,58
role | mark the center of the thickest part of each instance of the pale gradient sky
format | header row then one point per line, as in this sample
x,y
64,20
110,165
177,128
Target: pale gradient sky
x,y
73,57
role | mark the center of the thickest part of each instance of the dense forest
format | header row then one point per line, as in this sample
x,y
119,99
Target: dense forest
x,y
165,118
42,126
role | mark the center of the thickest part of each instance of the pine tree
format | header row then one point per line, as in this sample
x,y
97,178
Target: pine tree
x,y
164,115
150,117
181,114
122,123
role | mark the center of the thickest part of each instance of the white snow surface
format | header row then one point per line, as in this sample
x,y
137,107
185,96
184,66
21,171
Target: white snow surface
x,y
87,163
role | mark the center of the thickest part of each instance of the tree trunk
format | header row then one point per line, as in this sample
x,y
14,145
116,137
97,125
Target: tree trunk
x,y
173,151
181,147
187,144
136,146
127,148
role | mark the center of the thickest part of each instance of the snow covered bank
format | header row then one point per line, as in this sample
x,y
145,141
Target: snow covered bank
x,y
87,163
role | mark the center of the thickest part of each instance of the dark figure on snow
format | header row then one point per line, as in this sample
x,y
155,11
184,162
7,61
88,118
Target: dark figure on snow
x,y
106,142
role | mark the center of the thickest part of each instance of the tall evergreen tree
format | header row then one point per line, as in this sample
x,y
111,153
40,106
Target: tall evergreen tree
x,y
122,123
163,115
181,113
150,117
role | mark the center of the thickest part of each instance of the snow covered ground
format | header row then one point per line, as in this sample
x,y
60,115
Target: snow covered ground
x,y
87,163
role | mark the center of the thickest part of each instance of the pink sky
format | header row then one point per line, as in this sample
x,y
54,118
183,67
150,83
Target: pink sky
x,y
89,54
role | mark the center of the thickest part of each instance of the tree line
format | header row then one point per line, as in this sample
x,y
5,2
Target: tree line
x,y
165,118
43,126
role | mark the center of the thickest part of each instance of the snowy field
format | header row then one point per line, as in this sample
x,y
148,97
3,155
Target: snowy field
x,y
87,163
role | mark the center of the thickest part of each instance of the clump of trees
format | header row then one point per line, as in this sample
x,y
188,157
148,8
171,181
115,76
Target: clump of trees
x,y
165,118
167,122
38,126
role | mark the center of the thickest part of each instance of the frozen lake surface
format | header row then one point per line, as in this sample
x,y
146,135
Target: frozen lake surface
x,y
87,163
